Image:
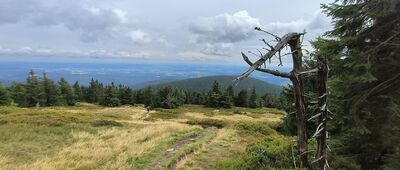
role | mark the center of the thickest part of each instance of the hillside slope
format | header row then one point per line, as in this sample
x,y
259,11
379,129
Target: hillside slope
x,y
204,84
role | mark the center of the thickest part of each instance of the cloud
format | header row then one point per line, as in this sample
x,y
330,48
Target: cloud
x,y
224,28
194,56
97,53
140,37
94,23
318,22
217,49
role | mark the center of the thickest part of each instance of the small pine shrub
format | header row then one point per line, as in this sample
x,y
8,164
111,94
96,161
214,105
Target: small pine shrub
x,y
264,129
207,123
98,123
239,112
274,152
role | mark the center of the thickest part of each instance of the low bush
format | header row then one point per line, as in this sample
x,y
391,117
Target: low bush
x,y
263,128
165,114
239,112
274,152
98,123
207,122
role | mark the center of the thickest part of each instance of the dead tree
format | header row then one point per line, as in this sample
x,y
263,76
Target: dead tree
x,y
322,113
293,40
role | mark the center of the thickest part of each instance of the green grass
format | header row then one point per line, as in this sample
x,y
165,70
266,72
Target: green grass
x,y
127,137
192,147
143,161
30,134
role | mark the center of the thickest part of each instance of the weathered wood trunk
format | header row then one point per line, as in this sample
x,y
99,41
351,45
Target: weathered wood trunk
x,y
323,110
294,41
297,81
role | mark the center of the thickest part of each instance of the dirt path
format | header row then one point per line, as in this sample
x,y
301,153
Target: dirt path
x,y
160,162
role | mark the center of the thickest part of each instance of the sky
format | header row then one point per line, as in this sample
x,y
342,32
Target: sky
x,y
163,31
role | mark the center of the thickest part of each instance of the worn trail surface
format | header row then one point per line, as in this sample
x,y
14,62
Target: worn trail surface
x,y
162,161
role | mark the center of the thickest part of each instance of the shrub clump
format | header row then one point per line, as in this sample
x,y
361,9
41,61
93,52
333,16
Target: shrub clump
x,y
207,122
239,112
98,123
264,129
274,152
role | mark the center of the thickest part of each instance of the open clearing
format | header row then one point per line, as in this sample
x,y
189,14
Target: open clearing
x,y
92,137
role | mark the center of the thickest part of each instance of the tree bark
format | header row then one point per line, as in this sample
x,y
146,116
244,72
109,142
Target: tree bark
x,y
293,40
323,110
297,81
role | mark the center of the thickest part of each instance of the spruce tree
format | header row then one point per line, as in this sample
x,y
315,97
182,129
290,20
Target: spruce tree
x,y
139,96
363,53
50,90
18,94
148,96
66,94
111,96
214,95
126,95
34,90
242,99
78,92
230,93
165,98
180,96
5,98
95,91
269,101
253,100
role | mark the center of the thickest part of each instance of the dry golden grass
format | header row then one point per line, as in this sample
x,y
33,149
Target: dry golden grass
x,y
65,139
236,118
108,149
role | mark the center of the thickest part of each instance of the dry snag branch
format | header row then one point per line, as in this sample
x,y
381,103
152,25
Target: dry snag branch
x,y
294,41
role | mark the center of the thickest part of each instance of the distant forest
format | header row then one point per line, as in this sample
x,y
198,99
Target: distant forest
x,y
43,91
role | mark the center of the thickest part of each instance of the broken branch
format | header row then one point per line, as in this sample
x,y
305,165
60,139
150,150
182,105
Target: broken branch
x,y
273,72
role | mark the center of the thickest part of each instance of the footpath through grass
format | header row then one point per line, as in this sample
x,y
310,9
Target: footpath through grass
x,y
93,137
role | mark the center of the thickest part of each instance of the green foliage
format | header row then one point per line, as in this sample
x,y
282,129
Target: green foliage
x,y
34,91
148,96
78,92
364,79
66,94
263,128
111,97
274,152
217,98
270,101
202,84
254,100
242,99
239,112
18,92
169,98
94,92
50,90
207,122
98,123
126,95
338,162
5,98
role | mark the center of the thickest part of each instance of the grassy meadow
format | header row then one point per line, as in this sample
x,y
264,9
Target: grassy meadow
x,y
93,137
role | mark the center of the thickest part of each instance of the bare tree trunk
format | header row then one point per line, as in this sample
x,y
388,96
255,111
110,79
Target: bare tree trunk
x,y
294,41
297,81
323,111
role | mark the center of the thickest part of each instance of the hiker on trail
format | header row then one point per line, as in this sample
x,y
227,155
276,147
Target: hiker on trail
x,y
148,108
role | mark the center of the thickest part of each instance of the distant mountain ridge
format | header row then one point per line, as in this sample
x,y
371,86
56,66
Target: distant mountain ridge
x,y
204,84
